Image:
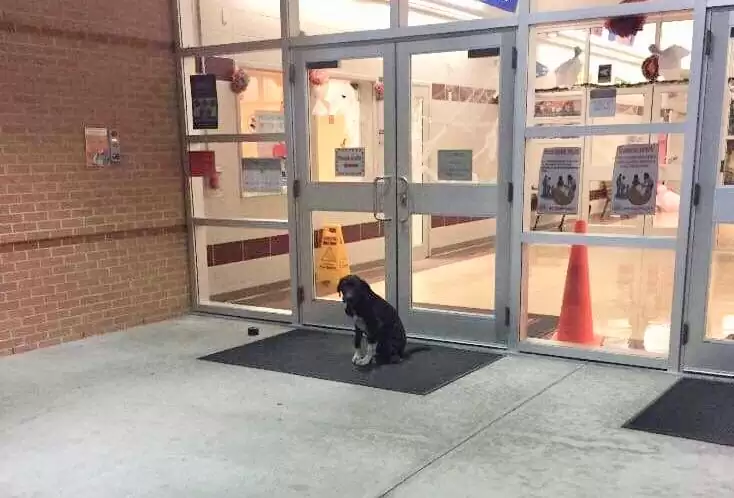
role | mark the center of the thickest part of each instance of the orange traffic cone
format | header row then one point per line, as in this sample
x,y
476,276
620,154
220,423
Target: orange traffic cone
x,y
576,323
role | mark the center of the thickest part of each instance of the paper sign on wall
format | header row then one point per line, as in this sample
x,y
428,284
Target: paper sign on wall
x,y
506,5
269,122
635,179
261,174
204,104
349,161
604,75
96,147
455,165
558,191
603,102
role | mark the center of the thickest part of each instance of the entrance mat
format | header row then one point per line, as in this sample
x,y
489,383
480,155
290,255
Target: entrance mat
x,y
693,409
328,356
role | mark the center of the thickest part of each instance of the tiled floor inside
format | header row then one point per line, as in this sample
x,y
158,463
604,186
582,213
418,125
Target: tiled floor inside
x,y
135,414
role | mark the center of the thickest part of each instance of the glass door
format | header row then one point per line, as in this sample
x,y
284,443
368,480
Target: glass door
x,y
454,140
345,174
710,311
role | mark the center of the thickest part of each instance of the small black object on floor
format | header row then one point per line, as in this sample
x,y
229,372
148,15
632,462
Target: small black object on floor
x,y
693,409
328,356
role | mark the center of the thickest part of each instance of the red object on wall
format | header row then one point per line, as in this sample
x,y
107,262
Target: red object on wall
x,y
214,180
279,150
201,163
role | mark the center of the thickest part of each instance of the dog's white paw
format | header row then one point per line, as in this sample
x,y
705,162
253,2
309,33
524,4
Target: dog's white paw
x,y
368,357
356,356
363,361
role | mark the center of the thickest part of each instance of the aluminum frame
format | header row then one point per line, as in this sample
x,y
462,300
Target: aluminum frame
x,y
702,354
441,198
522,21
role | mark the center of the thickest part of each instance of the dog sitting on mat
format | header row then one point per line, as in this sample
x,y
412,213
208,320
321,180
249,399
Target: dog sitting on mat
x,y
374,318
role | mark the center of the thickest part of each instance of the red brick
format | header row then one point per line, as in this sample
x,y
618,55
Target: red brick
x,y
71,264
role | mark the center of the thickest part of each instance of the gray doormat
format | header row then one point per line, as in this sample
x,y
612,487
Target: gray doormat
x,y
328,356
692,409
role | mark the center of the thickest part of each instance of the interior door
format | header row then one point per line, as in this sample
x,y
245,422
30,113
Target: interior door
x,y
345,172
455,192
710,310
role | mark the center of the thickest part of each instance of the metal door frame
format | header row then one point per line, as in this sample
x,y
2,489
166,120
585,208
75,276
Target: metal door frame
x,y
715,203
492,200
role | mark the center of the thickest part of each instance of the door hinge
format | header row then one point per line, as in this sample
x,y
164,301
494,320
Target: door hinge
x,y
300,295
296,188
292,73
684,334
510,192
722,167
708,43
696,194
514,57
507,316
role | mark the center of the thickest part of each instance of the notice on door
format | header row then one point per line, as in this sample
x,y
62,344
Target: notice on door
x,y
558,191
349,161
455,165
635,179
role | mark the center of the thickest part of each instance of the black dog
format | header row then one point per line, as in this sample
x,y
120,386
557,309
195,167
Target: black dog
x,y
375,318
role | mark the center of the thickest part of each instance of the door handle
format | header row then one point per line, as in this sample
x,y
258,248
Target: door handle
x,y
403,198
375,199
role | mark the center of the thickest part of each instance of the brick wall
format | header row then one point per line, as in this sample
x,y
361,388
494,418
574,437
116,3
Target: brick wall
x,y
86,250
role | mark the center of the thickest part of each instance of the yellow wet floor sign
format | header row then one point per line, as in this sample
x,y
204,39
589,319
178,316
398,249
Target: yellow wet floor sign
x,y
333,262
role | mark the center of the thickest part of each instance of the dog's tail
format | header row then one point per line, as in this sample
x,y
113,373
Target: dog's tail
x,y
412,350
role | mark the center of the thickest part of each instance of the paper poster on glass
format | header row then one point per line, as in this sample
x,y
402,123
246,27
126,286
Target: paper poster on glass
x,y
455,165
204,103
558,191
269,122
261,175
635,179
96,147
349,161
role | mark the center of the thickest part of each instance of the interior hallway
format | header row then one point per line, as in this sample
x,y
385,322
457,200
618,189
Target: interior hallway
x,y
135,414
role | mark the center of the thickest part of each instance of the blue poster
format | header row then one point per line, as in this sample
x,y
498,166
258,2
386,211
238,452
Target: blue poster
x,y
506,5
204,104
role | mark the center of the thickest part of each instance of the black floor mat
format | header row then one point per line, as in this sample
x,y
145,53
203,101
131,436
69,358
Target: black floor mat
x,y
328,356
693,409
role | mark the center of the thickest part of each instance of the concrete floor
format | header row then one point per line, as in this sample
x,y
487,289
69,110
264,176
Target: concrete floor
x,y
134,414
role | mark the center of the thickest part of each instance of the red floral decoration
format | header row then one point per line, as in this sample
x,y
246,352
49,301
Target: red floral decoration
x,y
626,26
240,80
317,77
380,90
651,67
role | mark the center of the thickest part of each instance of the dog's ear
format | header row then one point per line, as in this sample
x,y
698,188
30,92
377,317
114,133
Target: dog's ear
x,y
342,282
363,285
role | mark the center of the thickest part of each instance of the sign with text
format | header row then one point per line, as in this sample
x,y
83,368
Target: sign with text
x,y
558,191
603,102
269,122
506,5
455,165
261,174
635,179
349,161
96,146
204,104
